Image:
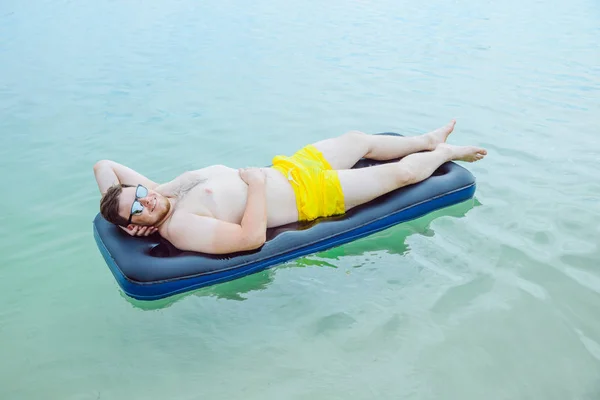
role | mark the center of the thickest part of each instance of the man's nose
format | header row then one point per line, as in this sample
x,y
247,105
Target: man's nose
x,y
146,201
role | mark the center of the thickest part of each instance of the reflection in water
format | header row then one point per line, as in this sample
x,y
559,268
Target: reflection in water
x,y
392,240
231,290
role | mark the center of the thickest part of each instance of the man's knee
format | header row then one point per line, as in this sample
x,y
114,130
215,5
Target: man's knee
x,y
404,175
358,139
356,135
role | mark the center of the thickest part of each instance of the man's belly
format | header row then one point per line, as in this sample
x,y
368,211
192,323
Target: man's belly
x,y
224,197
281,200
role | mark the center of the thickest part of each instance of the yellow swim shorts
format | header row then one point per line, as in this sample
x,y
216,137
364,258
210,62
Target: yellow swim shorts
x,y
316,184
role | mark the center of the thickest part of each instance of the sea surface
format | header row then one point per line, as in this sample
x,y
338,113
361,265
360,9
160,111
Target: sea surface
x,y
494,298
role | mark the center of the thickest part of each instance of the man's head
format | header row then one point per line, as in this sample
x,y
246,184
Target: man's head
x,y
125,204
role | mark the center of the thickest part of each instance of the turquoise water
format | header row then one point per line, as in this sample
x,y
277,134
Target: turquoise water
x,y
496,298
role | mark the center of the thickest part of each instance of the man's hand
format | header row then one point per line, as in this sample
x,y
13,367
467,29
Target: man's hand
x,y
252,175
137,230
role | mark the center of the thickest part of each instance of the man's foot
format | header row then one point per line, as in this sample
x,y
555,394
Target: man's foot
x,y
440,135
464,153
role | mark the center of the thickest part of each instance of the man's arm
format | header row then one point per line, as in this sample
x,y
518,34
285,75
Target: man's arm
x,y
109,173
208,235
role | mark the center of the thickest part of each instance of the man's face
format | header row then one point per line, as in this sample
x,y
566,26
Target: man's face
x,y
145,206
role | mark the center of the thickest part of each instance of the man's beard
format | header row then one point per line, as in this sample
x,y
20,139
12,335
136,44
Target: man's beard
x,y
165,212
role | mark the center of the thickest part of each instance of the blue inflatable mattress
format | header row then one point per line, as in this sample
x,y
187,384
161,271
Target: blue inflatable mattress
x,y
149,268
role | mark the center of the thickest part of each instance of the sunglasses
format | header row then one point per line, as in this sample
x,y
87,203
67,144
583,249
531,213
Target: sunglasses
x,y
137,207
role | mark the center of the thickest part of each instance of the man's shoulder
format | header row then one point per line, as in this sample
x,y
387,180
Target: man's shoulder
x,y
171,225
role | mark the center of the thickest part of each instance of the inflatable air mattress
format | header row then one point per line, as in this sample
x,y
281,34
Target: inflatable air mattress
x,y
150,268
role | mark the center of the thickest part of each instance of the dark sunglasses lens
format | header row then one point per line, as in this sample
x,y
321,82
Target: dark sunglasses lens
x,y
137,208
141,192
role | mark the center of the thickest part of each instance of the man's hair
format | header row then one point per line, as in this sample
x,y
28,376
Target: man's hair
x,y
109,205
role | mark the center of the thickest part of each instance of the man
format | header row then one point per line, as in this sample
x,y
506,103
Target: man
x,y
219,210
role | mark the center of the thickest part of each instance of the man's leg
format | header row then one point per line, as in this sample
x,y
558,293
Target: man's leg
x,y
365,184
344,151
